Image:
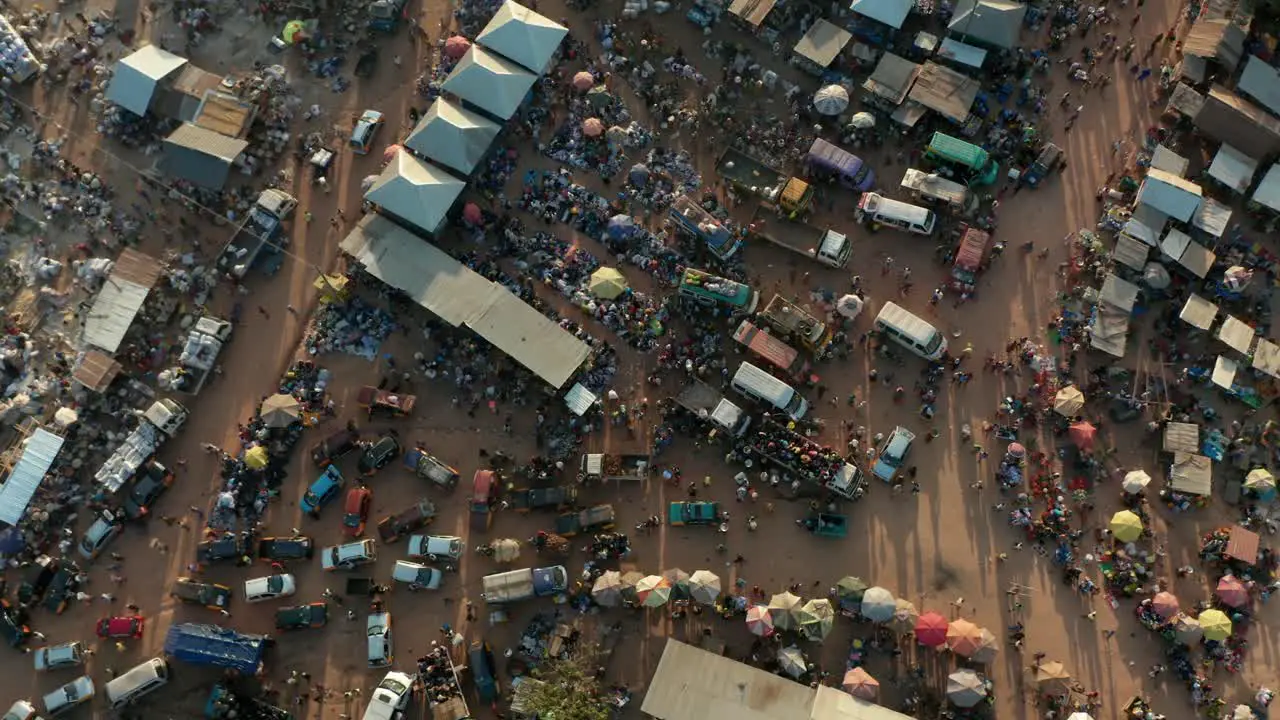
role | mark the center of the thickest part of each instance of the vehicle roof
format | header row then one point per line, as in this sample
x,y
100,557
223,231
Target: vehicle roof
x,y
355,496
899,440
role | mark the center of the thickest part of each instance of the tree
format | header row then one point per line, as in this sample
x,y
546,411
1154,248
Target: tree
x,y
566,688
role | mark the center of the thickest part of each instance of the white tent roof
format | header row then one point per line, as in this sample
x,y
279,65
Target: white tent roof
x,y
995,22
1170,194
137,75
1199,312
823,42
1233,168
452,136
1268,192
890,12
1191,473
489,82
1212,217
415,191
522,35
1237,334
1169,161
1266,358
1118,292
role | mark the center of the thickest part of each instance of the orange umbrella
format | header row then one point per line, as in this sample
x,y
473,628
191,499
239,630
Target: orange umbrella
x,y
584,81
859,683
592,127
390,153
1083,434
964,638
931,629
456,46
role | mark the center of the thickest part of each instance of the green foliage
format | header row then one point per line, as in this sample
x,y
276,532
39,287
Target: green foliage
x,y
567,690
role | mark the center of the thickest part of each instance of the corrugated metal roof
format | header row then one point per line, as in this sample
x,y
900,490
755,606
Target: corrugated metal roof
x,y
489,82
1218,40
38,453
415,191
96,370
453,136
693,684
120,299
945,91
207,142
892,77
531,339
753,11
525,36
225,114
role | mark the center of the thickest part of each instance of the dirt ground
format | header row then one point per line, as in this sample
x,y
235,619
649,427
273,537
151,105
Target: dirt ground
x,y
935,549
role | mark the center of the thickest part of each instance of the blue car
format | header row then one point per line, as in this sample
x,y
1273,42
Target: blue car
x,y
323,491
893,454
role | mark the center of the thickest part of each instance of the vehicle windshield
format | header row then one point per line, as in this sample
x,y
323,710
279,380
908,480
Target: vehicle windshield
x,y
393,685
377,630
311,498
275,583
934,343
797,402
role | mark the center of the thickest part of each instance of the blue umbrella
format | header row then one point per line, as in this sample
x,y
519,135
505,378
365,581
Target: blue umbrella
x,y
11,541
639,174
620,226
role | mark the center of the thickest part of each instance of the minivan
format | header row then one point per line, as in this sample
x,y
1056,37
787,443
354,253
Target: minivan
x,y
135,683
378,630
911,332
880,210
759,385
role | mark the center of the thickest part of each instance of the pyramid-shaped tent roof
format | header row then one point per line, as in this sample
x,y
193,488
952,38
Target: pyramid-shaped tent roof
x,y
452,136
522,35
138,74
415,191
994,22
489,82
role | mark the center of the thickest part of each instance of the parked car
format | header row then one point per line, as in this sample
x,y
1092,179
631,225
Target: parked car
x,y
121,627
299,547
331,449
365,130
378,455
414,517
893,454
22,710
348,556
416,576
74,693
298,617
104,529
148,485
231,546
62,588
356,511
40,574
194,592
378,632
57,657
270,587
323,491
390,697
13,626
436,547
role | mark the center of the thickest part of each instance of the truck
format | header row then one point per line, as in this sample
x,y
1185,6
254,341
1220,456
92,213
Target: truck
x,y
933,188
711,405
824,245
517,585
157,424
693,220
428,467
200,354
825,467
262,224
790,195
547,498
610,466
215,646
795,325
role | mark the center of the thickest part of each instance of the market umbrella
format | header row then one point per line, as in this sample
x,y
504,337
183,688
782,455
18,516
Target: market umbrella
x,y
608,589
1051,675
1215,624
849,306
471,213
1135,481
759,622
965,688
621,226
1126,526
584,81
878,605
1187,629
616,134
850,589
1069,401
1083,434
592,127
1017,450
905,615
1165,604
988,648
859,683
598,97
280,410
863,120
390,153
291,31
831,100
704,586
1156,277
964,638
607,283
679,580
1232,592
783,608
791,660
1260,480
638,174
931,629
1079,716
653,591
456,46
256,457
817,619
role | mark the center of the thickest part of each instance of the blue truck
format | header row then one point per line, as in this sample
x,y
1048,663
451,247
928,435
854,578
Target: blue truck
x,y
693,220
216,647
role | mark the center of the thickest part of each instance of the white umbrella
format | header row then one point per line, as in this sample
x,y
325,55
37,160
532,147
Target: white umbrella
x,y
704,586
65,417
831,100
1079,716
1135,481
849,306
878,605
792,662
863,120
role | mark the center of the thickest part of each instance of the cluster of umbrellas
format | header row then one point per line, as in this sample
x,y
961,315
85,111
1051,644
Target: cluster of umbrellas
x,y
786,611
653,591
1212,624
878,605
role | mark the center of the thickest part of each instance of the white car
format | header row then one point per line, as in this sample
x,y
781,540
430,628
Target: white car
x,y
68,696
348,556
269,588
416,575
21,710
56,657
390,697
381,653
434,547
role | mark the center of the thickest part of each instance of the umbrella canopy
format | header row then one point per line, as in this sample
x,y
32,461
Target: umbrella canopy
x,y
849,306
1215,624
607,283
1165,604
831,100
11,541
1017,450
931,629
292,30
1126,526
1083,434
280,410
988,648
704,586
599,97
1069,401
653,591
905,615
1079,716
584,81
628,588
783,607
620,226
471,213
1156,277
859,683
1187,629
679,581
638,174
616,134
863,120
1260,480
1135,481
878,605
456,46
592,127
608,589
850,589
792,662
965,688
1051,674
759,622
817,617
1232,592
256,457
964,638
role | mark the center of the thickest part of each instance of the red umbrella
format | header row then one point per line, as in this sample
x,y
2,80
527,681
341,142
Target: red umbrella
x,y
931,629
1082,434
471,213
1233,592
456,46
584,81
1165,604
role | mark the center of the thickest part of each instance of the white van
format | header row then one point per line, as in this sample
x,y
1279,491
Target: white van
x,y
759,385
378,630
137,682
911,332
874,208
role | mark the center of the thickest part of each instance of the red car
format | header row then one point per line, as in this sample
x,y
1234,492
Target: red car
x,y
356,511
122,627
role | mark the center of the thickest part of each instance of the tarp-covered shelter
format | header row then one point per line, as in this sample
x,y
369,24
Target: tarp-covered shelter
x,y
1224,372
120,299
1145,224
1174,196
531,339
1191,473
945,91
1237,334
823,43
1233,168
452,136
1181,437
489,82
1268,192
1266,358
1109,329
892,78
1212,217
1199,312
202,157
1119,293
962,53
1169,161
1227,117
1185,101
524,36
752,11
1179,247
989,22
39,450
139,74
1132,253
1261,83
890,12
96,370
417,192
1243,544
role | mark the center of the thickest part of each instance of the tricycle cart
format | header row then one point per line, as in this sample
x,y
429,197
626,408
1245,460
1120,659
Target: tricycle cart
x,y
826,525
503,550
549,542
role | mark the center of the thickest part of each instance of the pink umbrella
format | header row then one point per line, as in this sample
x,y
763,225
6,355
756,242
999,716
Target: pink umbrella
x,y
759,622
931,629
584,81
1017,450
390,153
859,683
456,46
1165,604
1233,592
1082,434
471,213
592,127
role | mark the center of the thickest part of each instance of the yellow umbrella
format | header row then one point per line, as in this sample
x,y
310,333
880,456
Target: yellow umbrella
x,y
1068,401
1126,526
1260,479
607,283
256,457
1215,624
291,31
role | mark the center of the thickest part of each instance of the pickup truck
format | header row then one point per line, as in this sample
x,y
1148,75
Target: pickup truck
x,y
200,355
230,546
826,467
428,467
711,405
790,194
824,245
693,513
551,498
517,585
608,466
262,224
216,647
597,517
412,518
157,424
